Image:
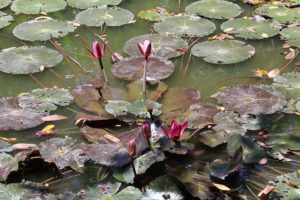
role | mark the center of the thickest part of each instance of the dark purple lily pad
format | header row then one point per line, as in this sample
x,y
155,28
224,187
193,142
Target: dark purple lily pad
x,y
251,99
131,69
13,117
63,152
7,165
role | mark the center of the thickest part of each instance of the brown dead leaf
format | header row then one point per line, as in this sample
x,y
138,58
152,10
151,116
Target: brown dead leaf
x,y
10,140
266,191
24,146
55,117
221,187
290,55
273,73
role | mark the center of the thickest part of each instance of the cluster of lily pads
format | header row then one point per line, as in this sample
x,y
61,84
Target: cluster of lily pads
x,y
127,128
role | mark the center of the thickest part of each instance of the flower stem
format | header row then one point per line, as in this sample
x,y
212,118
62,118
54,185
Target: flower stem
x,y
103,71
145,79
133,168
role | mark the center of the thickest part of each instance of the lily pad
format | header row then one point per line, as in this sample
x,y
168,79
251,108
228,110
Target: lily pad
x,y
26,60
5,19
37,6
45,100
162,45
139,108
223,51
279,13
108,191
141,164
4,3
284,142
217,9
292,107
162,188
8,164
255,123
291,35
17,191
253,100
154,14
13,117
114,16
287,186
192,26
63,152
132,68
117,108
251,28
5,147
84,4
288,84
42,30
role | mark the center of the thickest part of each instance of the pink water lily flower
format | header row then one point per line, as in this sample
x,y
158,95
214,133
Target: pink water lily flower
x,y
98,50
145,48
176,130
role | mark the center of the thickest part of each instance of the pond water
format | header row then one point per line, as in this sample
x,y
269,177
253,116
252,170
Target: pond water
x,y
191,72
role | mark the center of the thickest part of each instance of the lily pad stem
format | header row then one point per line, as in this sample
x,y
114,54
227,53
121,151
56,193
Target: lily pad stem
x,y
145,78
133,168
103,71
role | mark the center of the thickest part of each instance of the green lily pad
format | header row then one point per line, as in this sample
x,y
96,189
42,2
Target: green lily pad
x,y
162,188
5,19
4,3
139,108
132,68
226,125
114,16
63,152
37,6
141,165
42,30
255,122
18,191
117,108
223,51
279,13
109,191
45,100
192,26
5,146
13,117
217,9
288,84
287,186
284,142
253,153
292,106
251,28
27,60
291,35
253,100
162,45
8,164
154,14
84,4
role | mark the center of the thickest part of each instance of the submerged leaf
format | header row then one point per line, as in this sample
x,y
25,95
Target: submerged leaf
x,y
37,6
27,60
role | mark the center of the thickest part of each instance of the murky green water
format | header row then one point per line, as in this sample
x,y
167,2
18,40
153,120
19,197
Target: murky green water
x,y
207,78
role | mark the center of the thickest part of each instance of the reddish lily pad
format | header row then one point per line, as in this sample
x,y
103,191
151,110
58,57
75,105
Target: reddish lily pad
x,y
131,69
167,46
8,164
251,99
13,117
63,152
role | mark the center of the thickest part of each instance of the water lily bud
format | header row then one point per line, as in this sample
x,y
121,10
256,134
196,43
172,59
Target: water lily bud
x,y
131,149
145,48
98,50
146,130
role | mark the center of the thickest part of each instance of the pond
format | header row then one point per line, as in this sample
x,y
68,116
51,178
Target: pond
x,y
236,82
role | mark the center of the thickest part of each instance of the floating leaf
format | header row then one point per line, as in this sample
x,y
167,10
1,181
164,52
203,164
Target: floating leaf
x,y
108,191
162,188
63,152
141,165
279,13
223,51
251,100
253,153
288,84
154,14
26,60
251,28
37,6
17,191
162,45
287,186
5,19
139,108
13,117
117,108
5,146
255,123
291,35
217,9
42,30
114,16
284,142
131,69
84,4
8,164
4,3
191,26
292,107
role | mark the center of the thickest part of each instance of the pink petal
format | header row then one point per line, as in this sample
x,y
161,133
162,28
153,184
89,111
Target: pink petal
x,y
96,46
183,127
141,47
